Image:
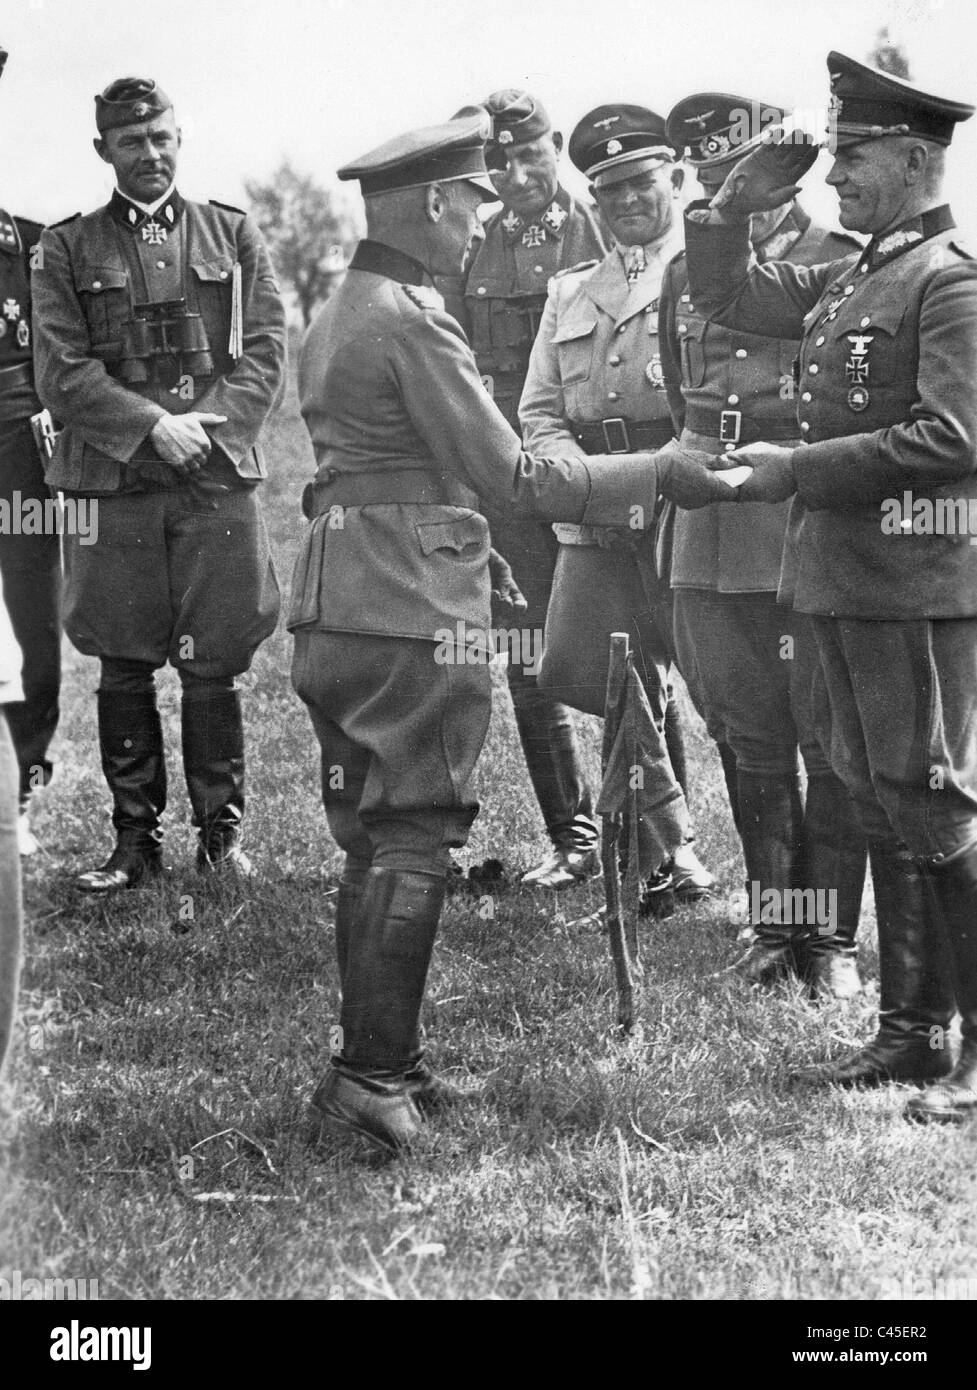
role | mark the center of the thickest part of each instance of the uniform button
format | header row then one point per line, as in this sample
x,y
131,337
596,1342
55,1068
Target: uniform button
x,y
804,427
615,361
623,328
849,289
538,269
480,290
223,274
160,265
728,447
96,284
741,352
805,395
820,341
865,323
813,369
613,395
864,269
732,400
683,328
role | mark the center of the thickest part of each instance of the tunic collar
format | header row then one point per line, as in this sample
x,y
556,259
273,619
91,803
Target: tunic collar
x,y
157,219
9,235
881,250
550,223
379,259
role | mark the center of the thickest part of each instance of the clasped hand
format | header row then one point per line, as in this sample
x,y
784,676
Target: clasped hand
x,y
182,441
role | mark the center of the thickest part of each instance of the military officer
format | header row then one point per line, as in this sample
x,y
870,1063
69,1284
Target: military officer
x,y
888,417
540,229
752,662
391,592
160,345
595,385
30,563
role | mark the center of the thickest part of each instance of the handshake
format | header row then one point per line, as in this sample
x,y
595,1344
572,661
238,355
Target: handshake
x,y
755,473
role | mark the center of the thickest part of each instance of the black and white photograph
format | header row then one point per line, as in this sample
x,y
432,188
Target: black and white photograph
x,y
488,668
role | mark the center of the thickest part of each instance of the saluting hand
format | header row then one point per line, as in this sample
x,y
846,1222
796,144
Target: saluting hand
x,y
767,177
182,440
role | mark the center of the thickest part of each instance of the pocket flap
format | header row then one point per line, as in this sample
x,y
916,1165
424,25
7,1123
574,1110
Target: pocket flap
x,y
95,279
219,269
886,318
452,535
691,327
569,332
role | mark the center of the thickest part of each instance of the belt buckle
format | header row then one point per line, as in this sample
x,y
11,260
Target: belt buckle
x,y
730,423
619,424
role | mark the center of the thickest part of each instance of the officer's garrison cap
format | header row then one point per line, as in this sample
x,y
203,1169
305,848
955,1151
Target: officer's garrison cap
x,y
517,119
127,101
867,104
614,142
443,153
715,129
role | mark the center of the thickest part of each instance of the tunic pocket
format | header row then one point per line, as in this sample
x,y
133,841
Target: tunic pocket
x,y
574,343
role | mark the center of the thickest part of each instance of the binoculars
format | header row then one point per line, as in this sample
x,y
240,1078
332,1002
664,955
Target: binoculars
x,y
164,330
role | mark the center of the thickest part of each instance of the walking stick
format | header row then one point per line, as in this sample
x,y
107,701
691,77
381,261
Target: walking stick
x,y
611,834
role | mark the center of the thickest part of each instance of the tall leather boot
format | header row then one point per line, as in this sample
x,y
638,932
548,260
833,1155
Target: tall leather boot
x,y
213,762
915,990
369,1086
835,855
953,885
549,745
130,739
771,826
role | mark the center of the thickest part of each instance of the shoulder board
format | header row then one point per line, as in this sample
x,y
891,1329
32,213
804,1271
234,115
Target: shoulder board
x,y
573,269
64,221
227,207
424,296
961,250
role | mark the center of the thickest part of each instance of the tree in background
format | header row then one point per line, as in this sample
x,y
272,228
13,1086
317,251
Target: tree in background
x,y
310,231
888,56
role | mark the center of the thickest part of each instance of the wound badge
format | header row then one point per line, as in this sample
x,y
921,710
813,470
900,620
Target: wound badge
x,y
614,147
23,333
858,398
655,374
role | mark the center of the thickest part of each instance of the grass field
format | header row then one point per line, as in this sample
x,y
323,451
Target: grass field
x,y
165,1058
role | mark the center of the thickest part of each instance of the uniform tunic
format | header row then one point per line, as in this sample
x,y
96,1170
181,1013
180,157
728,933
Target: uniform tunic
x,y
30,563
750,663
406,442
171,560
888,359
597,360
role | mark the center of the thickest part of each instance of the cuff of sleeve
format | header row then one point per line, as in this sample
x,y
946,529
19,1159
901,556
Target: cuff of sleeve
x,y
623,491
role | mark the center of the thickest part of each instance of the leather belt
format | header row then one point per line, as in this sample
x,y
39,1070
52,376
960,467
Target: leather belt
x,y
408,487
620,436
734,427
18,398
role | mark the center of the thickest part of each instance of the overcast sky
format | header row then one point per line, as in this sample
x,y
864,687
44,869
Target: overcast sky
x,y
321,81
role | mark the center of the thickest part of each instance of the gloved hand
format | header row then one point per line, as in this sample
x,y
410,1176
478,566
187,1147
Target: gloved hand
x,y
772,479
690,478
768,176
508,602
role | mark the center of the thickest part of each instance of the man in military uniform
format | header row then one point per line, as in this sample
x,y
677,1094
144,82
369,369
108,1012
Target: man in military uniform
x,y
30,563
751,662
595,385
540,229
160,345
391,592
888,413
